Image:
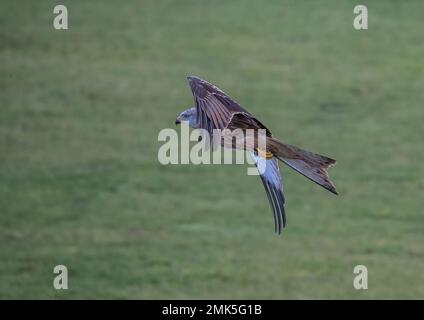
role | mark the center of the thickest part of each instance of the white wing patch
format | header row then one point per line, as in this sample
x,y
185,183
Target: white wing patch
x,y
271,179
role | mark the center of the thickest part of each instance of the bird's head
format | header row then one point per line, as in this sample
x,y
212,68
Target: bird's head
x,y
189,115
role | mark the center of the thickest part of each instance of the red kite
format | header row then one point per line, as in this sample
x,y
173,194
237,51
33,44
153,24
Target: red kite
x,y
216,110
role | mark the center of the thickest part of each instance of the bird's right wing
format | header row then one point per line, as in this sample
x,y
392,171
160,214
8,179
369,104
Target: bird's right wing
x,y
271,180
216,110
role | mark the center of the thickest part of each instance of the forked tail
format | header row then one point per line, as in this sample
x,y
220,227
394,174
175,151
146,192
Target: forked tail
x,y
311,165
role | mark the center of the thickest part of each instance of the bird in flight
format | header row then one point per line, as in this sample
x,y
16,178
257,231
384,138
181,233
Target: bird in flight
x,y
214,109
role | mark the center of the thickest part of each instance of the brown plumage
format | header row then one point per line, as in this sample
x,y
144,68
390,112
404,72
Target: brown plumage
x,y
216,110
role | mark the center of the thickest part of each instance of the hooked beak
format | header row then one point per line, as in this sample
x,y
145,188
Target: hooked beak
x,y
177,121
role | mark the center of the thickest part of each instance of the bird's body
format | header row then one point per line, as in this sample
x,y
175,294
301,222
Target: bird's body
x,y
216,110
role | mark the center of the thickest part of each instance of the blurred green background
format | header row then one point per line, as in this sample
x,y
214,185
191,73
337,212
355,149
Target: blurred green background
x,y
81,185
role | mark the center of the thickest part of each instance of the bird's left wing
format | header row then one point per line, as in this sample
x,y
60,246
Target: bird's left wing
x,y
271,179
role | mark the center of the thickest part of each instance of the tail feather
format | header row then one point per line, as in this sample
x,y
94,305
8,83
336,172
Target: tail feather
x,y
311,165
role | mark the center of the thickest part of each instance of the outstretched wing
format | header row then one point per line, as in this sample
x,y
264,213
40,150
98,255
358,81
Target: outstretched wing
x,y
216,110
271,180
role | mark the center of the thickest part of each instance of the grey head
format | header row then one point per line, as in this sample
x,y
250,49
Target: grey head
x,y
189,115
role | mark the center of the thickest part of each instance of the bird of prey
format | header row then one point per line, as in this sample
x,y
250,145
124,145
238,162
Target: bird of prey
x,y
214,109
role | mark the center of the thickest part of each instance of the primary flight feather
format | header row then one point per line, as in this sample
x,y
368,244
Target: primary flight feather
x,y
216,110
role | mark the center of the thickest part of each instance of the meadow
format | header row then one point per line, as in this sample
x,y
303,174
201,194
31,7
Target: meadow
x,y
81,185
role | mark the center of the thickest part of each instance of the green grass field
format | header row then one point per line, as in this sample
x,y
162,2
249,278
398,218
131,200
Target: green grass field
x,y
81,185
